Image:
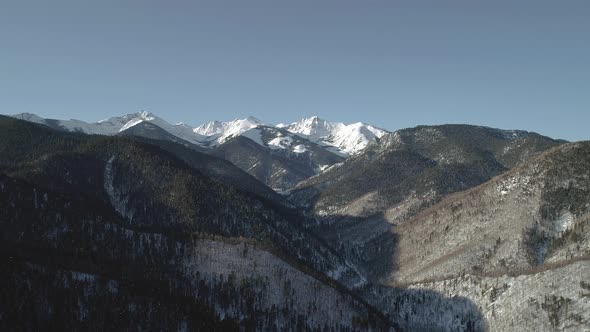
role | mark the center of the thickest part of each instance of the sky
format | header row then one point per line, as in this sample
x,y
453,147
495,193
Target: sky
x,y
518,64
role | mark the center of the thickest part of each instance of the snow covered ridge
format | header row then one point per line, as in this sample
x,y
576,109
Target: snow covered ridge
x,y
115,125
336,137
219,132
347,139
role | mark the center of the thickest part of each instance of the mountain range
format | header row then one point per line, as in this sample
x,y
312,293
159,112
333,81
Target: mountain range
x,y
339,138
289,153
136,223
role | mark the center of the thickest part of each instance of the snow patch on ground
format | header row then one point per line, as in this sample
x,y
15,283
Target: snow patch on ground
x,y
508,148
454,155
301,149
429,135
280,142
508,184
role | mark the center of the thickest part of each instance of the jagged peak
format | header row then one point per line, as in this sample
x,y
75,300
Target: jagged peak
x,y
313,120
348,139
345,139
224,130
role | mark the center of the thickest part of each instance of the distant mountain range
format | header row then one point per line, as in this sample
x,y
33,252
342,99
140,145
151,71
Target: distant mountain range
x,y
335,136
285,155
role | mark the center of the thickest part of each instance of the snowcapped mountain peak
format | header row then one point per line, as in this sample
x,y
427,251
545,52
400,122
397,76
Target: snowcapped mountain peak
x,y
179,130
313,120
145,115
209,129
312,126
336,137
221,131
245,124
346,139
139,117
142,115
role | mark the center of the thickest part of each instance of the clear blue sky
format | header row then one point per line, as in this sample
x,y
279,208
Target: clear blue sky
x,y
509,64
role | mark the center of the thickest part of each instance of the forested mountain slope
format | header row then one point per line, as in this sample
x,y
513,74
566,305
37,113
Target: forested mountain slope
x,y
536,214
356,203
112,215
518,246
413,168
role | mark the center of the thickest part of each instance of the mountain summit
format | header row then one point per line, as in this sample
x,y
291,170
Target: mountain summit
x,y
219,132
345,139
